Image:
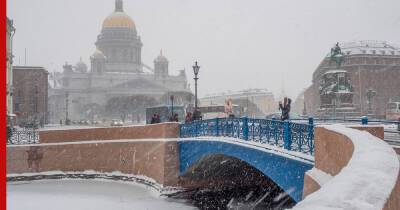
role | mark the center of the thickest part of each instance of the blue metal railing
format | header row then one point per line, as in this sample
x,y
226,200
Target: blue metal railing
x,y
289,135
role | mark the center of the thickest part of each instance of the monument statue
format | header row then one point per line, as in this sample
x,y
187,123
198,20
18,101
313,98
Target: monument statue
x,y
337,55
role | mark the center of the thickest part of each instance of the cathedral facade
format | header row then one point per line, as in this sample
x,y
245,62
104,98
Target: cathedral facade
x,y
116,73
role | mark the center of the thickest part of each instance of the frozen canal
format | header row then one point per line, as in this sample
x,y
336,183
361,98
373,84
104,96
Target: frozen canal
x,y
86,195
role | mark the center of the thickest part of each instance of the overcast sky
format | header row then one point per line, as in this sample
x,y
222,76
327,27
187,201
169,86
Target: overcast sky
x,y
239,43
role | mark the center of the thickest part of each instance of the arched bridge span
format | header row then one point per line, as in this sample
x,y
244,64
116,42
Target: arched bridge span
x,y
285,169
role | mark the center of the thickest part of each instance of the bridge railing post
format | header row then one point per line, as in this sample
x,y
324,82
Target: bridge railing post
x,y
398,125
287,135
364,120
217,126
245,128
275,130
310,136
196,128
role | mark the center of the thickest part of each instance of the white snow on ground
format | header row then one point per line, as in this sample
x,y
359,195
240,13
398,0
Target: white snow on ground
x,y
319,176
257,145
140,178
365,183
86,195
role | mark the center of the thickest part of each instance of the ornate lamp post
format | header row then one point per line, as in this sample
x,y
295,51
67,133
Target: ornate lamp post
x,y
172,106
66,108
196,69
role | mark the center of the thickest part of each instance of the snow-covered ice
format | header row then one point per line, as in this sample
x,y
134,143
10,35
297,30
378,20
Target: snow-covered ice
x,y
86,195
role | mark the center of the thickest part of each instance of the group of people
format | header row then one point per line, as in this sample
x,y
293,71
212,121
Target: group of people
x,y
193,116
155,119
285,108
174,118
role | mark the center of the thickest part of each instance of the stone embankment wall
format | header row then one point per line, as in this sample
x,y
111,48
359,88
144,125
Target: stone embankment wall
x,y
151,151
333,152
163,130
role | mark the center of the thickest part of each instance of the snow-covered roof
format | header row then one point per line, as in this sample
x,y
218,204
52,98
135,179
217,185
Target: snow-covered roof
x,y
248,92
335,71
369,47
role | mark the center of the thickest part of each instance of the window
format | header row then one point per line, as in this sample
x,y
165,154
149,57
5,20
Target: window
x,y
16,107
34,99
374,52
392,52
383,52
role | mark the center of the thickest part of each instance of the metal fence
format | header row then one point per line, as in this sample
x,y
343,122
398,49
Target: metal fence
x,y
289,135
25,136
391,127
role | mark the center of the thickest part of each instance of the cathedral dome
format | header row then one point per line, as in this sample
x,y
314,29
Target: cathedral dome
x,y
81,66
161,58
119,19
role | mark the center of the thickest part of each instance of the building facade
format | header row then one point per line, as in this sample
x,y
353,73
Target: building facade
x,y
116,73
30,96
256,102
9,75
371,66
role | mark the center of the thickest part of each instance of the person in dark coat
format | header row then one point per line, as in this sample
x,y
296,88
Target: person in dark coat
x,y
188,117
285,108
153,119
174,118
9,133
158,119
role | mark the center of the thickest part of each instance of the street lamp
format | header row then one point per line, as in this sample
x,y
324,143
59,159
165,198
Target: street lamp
x,y
66,108
196,69
172,106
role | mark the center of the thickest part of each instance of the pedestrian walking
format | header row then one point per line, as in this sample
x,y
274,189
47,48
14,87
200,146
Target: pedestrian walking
x,y
174,118
188,117
158,118
285,108
153,119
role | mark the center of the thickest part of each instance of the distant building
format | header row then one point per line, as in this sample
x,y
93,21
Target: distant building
x,y
30,94
370,65
9,39
256,102
116,73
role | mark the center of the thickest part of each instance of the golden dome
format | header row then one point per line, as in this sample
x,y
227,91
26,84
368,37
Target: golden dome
x,y
119,19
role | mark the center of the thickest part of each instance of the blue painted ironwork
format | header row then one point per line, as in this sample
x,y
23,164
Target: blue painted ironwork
x,y
287,134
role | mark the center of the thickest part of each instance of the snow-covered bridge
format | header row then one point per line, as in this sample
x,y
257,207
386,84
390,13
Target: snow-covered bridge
x,y
282,151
